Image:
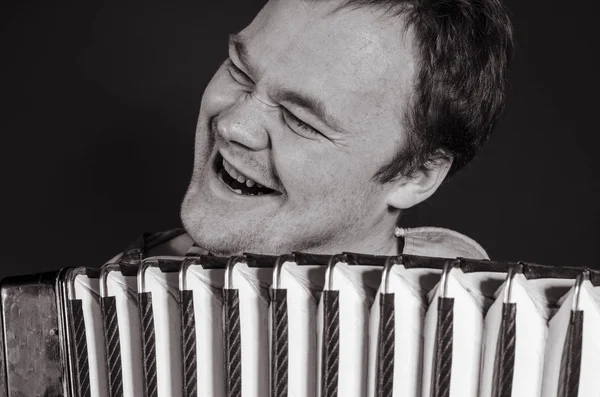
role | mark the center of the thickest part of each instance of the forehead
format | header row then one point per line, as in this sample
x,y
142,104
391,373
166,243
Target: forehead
x,y
358,61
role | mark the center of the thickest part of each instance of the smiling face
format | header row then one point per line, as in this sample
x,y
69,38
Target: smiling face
x,y
292,129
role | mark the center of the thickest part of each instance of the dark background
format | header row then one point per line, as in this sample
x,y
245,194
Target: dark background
x,y
99,105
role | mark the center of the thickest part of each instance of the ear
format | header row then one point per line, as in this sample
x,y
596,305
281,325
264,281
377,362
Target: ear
x,y
408,192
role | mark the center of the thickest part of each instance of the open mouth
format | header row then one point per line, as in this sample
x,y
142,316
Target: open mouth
x,y
238,182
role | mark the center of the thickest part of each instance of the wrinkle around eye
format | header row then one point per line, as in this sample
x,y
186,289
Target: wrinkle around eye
x,y
238,74
295,123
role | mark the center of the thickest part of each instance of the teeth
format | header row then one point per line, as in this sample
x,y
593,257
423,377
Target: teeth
x,y
230,170
239,177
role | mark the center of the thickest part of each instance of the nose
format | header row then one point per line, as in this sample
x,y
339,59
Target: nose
x,y
245,123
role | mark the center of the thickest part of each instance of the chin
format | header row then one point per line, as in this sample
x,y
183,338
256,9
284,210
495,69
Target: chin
x,y
227,236
224,229
214,232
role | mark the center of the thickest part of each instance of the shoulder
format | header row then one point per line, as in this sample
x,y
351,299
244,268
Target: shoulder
x,y
440,242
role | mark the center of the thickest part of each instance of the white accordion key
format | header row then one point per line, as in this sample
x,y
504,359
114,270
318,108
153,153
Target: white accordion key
x,y
121,317
246,328
396,327
297,284
572,350
85,344
454,327
158,286
343,315
201,285
515,332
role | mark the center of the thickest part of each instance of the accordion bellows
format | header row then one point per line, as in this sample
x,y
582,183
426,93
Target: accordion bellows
x,y
302,325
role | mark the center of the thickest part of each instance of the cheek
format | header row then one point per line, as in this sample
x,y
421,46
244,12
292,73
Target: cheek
x,y
219,94
325,175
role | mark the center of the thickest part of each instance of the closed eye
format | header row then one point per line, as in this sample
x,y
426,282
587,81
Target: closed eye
x,y
238,74
295,123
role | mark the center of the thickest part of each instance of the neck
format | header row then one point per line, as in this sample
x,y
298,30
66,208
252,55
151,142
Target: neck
x,y
378,240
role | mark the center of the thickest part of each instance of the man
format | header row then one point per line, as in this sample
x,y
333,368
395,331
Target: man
x,y
330,118
326,121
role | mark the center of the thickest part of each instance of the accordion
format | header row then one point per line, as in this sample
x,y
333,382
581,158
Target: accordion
x,y
302,325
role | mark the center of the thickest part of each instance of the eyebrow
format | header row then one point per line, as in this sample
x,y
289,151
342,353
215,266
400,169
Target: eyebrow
x,y
312,105
239,48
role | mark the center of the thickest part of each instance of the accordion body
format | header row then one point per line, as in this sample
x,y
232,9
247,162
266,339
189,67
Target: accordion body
x,y
301,325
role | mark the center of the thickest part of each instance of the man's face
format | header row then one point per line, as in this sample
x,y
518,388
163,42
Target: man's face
x,y
309,105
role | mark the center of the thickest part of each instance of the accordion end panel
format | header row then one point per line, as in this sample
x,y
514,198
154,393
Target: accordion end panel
x,y
30,336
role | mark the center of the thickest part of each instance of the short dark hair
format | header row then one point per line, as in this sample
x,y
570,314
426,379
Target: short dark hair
x,y
464,49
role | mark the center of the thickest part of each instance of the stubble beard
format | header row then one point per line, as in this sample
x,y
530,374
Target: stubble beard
x,y
296,231
223,236
266,235
269,234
